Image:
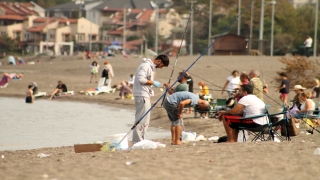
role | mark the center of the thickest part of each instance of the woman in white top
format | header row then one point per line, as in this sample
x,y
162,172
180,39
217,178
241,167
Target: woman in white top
x,y
232,83
307,105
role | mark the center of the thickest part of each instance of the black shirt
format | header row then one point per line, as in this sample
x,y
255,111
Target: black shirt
x,y
317,90
190,83
105,73
63,87
286,89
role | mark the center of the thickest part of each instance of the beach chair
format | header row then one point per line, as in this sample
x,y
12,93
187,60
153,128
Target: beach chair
x,y
257,132
64,94
102,88
4,82
40,94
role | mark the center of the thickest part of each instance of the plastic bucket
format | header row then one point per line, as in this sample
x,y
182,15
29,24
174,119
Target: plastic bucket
x,y
114,139
280,116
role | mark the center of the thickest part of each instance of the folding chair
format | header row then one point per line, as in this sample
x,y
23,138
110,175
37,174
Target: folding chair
x,y
257,132
311,120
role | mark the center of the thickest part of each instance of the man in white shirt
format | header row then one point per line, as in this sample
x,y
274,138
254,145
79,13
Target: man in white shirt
x,y
248,105
308,44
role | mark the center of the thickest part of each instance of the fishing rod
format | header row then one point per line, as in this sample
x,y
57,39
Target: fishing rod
x,y
178,53
204,80
182,74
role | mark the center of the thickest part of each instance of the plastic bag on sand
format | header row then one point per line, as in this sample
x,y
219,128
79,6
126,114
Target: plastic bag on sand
x,y
147,144
188,136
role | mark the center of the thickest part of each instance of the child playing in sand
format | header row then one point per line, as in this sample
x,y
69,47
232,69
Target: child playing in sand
x,y
29,95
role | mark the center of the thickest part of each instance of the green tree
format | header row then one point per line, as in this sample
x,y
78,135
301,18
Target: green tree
x,y
7,44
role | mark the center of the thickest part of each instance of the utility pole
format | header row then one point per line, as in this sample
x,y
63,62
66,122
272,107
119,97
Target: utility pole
x,y
239,20
261,27
251,26
191,25
210,24
157,22
315,30
47,34
124,28
272,28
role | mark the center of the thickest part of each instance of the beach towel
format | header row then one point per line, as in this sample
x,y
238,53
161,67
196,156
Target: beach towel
x,y
4,82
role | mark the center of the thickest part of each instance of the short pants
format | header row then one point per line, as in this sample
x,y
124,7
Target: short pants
x,y
235,121
172,111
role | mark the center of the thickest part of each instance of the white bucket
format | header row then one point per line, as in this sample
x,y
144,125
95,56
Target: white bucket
x,y
114,139
280,116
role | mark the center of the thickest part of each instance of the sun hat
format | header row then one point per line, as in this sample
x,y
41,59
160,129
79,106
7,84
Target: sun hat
x,y
298,87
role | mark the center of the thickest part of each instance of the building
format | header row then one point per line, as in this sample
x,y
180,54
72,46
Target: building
x,y
229,44
61,33
15,18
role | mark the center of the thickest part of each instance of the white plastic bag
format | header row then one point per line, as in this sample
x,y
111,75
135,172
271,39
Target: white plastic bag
x,y
241,134
147,144
188,136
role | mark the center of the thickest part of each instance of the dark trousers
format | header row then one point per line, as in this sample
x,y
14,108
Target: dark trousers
x,y
308,51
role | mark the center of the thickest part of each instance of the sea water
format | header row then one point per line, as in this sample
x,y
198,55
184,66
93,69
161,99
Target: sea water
x,y
52,123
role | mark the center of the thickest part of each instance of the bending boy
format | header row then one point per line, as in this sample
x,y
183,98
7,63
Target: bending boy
x,y
174,105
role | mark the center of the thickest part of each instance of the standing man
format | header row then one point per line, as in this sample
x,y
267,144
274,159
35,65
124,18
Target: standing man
x,y
256,83
308,44
144,79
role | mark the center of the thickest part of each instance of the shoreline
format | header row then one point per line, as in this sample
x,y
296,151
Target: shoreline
x,y
194,160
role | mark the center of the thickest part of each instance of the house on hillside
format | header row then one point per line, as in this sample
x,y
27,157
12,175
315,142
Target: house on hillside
x,y
61,33
15,18
229,44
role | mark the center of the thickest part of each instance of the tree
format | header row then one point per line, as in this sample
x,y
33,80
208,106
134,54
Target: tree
x,y
7,44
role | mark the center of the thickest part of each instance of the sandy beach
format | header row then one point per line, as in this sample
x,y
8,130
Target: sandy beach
x,y
203,159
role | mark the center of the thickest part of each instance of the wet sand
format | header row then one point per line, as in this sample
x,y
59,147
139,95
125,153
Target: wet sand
x,y
194,160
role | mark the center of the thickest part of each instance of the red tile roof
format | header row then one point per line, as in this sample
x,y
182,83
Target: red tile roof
x,y
115,32
61,20
145,16
15,8
13,17
37,28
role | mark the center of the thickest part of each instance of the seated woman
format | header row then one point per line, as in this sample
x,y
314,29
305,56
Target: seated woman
x,y
306,106
59,89
124,90
35,87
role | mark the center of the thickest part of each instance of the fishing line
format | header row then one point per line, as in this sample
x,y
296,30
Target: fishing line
x,y
178,53
182,74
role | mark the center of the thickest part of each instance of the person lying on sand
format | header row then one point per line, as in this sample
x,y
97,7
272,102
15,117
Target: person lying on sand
x,y
174,105
249,105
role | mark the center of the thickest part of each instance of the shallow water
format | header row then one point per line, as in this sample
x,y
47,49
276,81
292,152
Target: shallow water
x,y
53,124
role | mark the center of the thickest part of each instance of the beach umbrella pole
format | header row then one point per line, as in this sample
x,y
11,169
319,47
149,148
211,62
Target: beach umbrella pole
x,y
182,74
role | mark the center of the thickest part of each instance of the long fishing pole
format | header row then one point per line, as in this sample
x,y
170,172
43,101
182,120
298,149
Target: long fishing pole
x,y
178,53
182,74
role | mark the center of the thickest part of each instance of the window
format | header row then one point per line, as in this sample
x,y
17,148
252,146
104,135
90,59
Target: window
x,y
93,37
